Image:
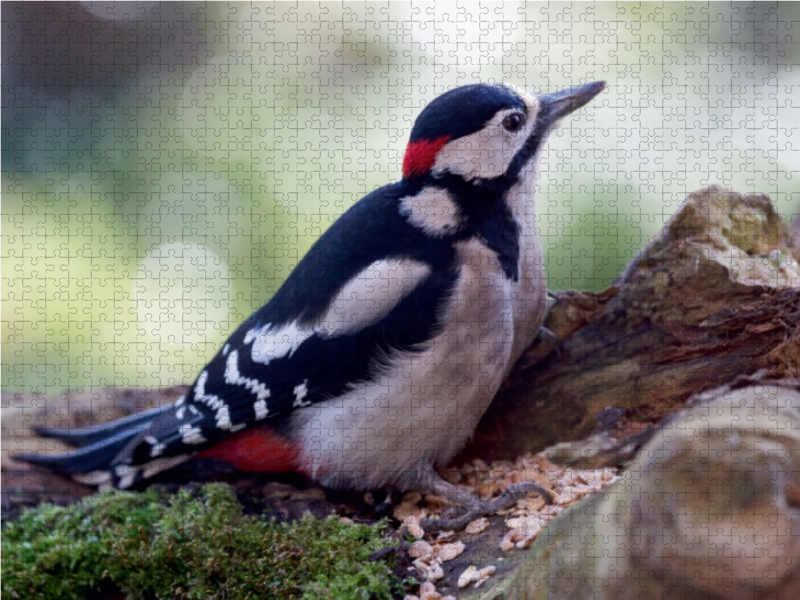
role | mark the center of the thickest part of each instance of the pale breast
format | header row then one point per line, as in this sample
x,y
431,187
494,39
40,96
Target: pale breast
x,y
529,294
425,406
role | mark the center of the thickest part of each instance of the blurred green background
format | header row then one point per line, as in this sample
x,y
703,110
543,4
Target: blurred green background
x,y
166,165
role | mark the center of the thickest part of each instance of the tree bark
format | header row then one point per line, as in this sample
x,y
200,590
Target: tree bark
x,y
709,509
711,298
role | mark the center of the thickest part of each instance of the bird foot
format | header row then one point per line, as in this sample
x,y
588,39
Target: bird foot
x,y
546,333
479,509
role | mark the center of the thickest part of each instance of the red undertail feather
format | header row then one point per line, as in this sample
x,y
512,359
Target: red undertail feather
x,y
255,450
421,155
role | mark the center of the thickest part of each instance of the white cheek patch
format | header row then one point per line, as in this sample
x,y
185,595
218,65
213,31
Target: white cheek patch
x,y
433,210
482,155
487,153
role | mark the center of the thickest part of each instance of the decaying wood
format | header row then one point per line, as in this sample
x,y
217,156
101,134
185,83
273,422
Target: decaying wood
x,y
712,297
708,509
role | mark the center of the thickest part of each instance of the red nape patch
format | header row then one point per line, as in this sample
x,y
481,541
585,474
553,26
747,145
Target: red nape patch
x,y
421,156
255,450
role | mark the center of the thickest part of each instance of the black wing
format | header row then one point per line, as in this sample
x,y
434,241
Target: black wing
x,y
287,355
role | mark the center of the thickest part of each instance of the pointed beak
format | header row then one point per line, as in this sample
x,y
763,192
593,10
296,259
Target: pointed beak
x,y
560,104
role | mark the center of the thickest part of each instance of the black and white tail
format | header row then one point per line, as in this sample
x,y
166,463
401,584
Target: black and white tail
x,y
95,447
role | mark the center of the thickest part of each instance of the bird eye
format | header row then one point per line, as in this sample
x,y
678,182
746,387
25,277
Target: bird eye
x,y
513,123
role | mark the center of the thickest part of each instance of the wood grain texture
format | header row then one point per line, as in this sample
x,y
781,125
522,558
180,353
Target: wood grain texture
x,y
708,299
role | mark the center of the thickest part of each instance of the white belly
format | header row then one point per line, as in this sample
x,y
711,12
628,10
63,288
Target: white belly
x,y
426,405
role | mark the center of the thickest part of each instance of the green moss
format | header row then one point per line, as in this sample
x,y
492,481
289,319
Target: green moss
x,y
190,545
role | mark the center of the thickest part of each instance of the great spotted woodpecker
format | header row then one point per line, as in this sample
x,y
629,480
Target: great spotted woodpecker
x,y
373,363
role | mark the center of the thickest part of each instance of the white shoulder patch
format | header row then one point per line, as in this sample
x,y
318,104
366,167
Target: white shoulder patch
x,y
433,210
372,294
364,300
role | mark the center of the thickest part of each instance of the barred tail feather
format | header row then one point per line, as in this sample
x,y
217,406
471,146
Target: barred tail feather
x,y
97,448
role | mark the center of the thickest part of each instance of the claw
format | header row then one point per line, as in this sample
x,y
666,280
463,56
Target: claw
x,y
477,509
559,344
456,523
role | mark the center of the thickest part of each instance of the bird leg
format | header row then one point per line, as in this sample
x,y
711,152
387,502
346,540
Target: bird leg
x,y
476,508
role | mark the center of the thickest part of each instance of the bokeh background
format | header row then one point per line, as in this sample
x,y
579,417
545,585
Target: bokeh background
x,y
165,165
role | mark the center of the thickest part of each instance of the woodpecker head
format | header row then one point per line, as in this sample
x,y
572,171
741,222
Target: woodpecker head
x,y
482,132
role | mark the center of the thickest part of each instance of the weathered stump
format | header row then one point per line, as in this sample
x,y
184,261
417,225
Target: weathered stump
x,y
711,298
710,508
